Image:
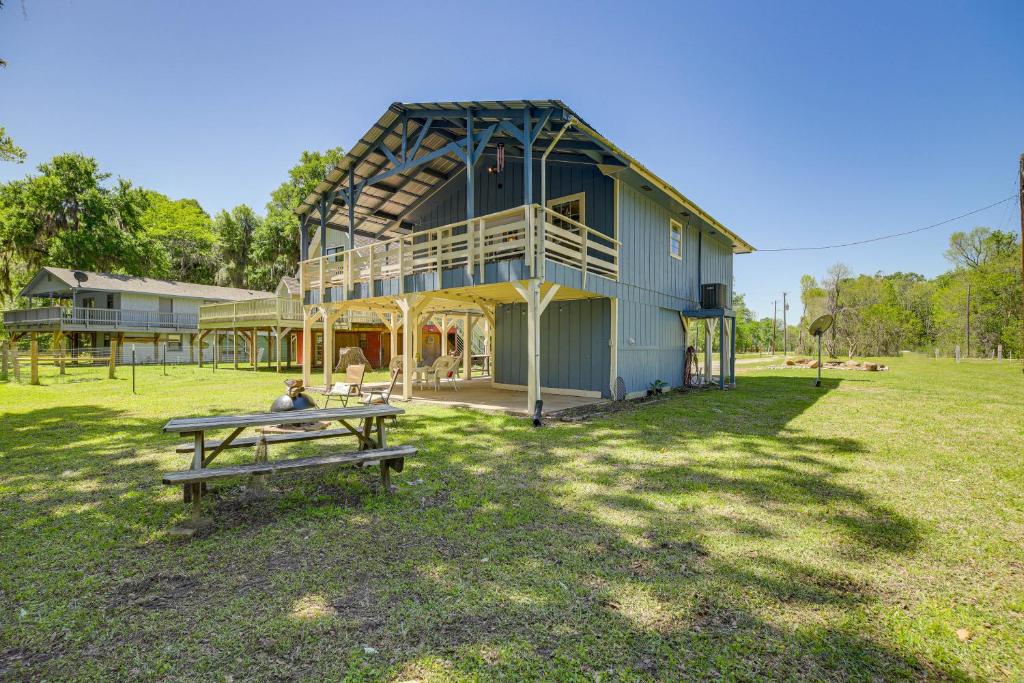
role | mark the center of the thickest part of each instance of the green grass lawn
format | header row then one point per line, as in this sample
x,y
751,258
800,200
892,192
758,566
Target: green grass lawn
x,y
870,529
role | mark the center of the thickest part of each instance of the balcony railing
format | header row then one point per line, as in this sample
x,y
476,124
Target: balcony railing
x,y
100,318
531,232
273,308
280,309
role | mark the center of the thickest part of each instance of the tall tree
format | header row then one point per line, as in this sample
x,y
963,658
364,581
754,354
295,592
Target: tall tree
x,y
8,150
235,230
186,233
275,247
70,215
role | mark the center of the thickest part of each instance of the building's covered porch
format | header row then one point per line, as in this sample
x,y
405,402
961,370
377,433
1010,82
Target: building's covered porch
x,y
477,308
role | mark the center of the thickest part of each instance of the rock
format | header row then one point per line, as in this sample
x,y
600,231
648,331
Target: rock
x,y
790,361
813,364
871,367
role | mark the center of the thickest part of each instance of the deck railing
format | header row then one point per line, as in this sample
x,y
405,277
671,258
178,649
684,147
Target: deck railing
x,y
100,318
531,232
272,308
281,309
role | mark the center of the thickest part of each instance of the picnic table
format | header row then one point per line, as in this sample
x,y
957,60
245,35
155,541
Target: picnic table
x,y
366,423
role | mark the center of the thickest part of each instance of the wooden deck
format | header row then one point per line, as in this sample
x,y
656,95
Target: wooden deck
x,y
530,232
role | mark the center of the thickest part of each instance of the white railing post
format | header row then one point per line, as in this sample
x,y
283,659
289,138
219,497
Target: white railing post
x,y
529,255
322,278
583,256
401,265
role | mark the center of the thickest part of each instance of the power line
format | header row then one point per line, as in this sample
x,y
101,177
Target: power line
x,y
895,234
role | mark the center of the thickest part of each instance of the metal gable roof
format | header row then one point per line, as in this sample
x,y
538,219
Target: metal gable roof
x,y
108,282
381,209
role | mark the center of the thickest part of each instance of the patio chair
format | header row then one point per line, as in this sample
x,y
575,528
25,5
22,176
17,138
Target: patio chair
x,y
381,396
442,368
352,386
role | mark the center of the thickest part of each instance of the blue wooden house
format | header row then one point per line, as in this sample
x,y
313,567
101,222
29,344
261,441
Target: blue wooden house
x,y
584,267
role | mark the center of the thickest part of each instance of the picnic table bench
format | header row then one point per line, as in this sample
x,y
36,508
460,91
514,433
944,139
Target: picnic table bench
x,y
370,431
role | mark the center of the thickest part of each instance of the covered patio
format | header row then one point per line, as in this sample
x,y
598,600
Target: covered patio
x,y
479,393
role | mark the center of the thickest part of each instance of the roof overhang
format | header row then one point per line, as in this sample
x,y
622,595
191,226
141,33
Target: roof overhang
x,y
429,132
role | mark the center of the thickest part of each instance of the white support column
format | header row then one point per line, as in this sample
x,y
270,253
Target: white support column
x,y
467,347
307,347
535,305
444,335
277,346
409,306
613,344
329,318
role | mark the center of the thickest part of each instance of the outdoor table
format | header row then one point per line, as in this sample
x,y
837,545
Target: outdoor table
x,y
367,415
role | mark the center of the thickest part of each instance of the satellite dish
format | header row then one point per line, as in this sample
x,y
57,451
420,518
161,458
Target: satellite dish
x,y
80,276
821,325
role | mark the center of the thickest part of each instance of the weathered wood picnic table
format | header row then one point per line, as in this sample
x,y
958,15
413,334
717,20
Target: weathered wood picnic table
x,y
367,423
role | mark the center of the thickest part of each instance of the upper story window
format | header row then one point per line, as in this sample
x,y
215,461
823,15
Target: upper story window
x,y
110,300
573,206
675,239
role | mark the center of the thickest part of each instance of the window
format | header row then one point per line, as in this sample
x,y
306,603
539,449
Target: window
x,y
675,240
572,206
110,300
174,342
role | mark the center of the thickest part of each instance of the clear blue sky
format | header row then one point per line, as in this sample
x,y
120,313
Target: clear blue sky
x,y
792,123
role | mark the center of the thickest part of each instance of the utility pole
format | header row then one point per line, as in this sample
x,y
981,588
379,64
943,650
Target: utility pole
x,y
775,323
785,330
968,318
1020,188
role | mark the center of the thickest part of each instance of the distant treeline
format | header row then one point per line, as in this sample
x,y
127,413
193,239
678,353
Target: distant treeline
x,y
72,214
880,315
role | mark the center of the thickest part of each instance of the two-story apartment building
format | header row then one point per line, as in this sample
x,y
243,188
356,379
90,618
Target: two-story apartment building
x,y
587,266
88,311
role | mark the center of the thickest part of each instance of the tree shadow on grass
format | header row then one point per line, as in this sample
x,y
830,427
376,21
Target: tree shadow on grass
x,y
647,545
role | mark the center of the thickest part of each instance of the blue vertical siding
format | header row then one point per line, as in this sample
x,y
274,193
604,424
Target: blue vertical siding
x,y
716,264
574,353
652,346
496,192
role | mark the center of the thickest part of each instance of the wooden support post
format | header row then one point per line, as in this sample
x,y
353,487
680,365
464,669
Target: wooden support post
x,y
191,348
112,361
307,347
277,346
444,335
409,306
270,358
252,353
156,348
234,347
4,352
393,334
57,346
329,319
199,343
34,359
216,350
15,365
467,347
